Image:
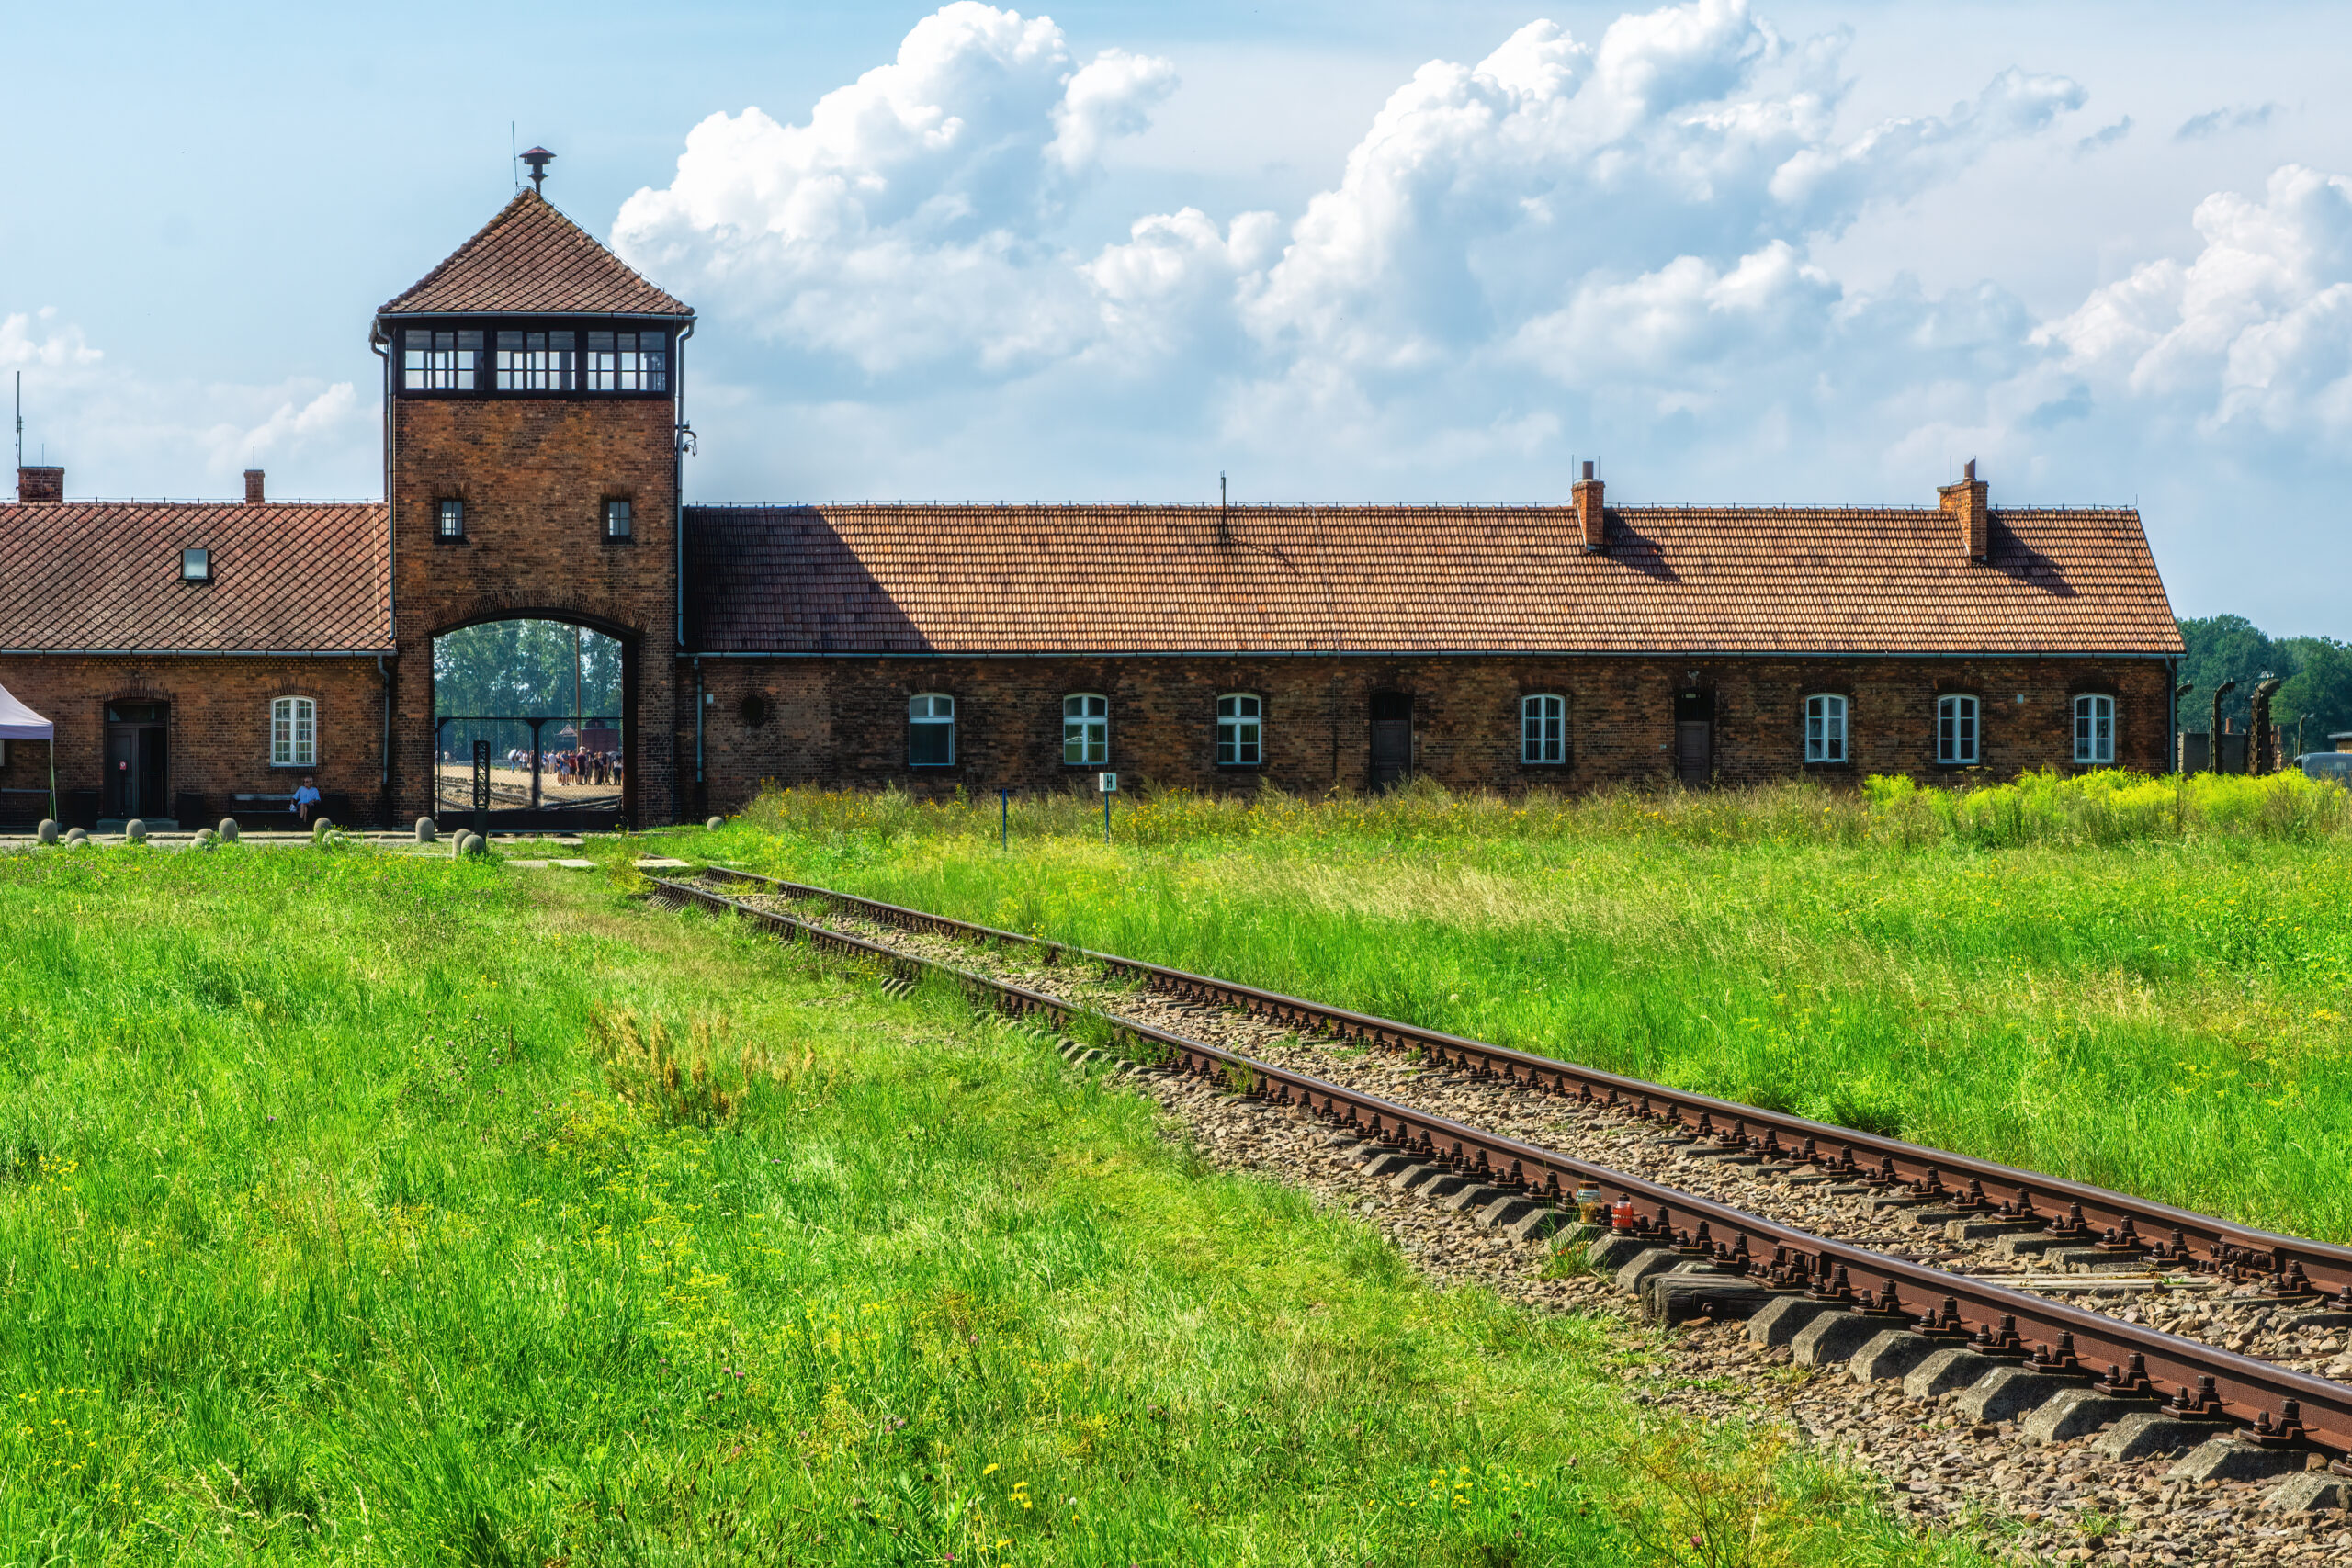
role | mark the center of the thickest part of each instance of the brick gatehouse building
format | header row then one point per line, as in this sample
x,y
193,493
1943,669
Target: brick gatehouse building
x,y
194,657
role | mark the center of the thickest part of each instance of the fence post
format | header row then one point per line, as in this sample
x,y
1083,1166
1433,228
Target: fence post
x,y
481,788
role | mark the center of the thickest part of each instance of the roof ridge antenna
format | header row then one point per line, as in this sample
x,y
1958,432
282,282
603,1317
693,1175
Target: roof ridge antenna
x,y
514,163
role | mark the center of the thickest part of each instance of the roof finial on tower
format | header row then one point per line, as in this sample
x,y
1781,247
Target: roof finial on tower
x,y
538,158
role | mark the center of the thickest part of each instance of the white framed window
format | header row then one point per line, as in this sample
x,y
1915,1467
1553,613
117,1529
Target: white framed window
x,y
1544,728
1825,727
1240,737
931,731
434,361
535,362
2094,728
628,362
1956,729
293,733
1086,729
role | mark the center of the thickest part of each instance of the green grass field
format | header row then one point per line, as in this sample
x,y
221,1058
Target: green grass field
x,y
2139,983
363,1209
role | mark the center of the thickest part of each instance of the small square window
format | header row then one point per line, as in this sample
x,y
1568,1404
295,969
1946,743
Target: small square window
x,y
450,519
196,566
617,520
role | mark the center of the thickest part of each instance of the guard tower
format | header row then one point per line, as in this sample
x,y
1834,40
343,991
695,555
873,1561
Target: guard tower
x,y
532,442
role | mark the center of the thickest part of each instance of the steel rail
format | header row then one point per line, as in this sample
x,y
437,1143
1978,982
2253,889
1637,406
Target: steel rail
x,y
2296,1269
2279,1403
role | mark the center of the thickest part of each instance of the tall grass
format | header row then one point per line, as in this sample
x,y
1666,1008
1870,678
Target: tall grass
x,y
408,1211
2099,810
2142,983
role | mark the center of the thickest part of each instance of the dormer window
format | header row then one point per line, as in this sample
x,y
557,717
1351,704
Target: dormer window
x,y
196,566
437,361
535,362
628,362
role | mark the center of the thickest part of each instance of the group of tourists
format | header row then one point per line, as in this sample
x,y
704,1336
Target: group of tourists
x,y
586,767
579,766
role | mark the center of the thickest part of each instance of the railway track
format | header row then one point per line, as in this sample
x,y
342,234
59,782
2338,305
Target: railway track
x,y
2013,1350
2116,1226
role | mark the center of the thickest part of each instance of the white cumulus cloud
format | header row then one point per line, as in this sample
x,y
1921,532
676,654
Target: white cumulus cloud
x,y
2255,330
903,224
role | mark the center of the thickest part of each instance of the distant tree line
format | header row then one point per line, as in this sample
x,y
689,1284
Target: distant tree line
x,y
2317,672
523,668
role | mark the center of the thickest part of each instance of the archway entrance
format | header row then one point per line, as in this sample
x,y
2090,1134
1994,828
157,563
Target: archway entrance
x,y
531,726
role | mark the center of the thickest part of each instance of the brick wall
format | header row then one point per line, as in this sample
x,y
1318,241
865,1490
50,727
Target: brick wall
x,y
534,474
844,722
217,740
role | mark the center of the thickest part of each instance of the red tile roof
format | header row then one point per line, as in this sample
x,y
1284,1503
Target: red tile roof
x,y
1008,579
532,260
287,576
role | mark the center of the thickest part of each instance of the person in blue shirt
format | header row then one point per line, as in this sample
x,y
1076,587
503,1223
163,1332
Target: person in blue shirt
x,y
305,799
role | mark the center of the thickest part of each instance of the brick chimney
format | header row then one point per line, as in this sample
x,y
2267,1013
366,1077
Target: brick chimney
x,y
41,484
1589,510
1966,501
252,487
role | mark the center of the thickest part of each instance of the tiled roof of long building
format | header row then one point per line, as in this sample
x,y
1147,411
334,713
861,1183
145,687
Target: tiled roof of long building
x,y
1135,579
532,260
287,577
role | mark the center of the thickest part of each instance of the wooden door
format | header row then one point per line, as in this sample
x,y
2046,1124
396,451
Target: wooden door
x,y
135,759
122,771
1694,760
1392,739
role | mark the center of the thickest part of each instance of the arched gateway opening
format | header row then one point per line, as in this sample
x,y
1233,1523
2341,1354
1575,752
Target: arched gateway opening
x,y
531,727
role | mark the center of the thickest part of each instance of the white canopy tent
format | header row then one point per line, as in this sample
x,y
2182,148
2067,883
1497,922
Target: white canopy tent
x,y
18,722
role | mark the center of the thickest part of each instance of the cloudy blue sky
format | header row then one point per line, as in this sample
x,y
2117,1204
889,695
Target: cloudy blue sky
x,y
1363,250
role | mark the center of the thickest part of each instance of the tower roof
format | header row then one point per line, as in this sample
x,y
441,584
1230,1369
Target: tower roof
x,y
532,260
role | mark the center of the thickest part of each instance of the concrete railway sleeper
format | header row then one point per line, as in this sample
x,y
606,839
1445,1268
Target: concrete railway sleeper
x,y
2009,1354
2290,1270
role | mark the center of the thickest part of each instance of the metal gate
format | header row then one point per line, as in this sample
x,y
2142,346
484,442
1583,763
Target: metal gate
x,y
530,771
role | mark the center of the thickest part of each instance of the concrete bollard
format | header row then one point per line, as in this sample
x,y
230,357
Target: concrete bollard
x,y
78,835
476,844
320,829
134,831
228,829
716,823
205,838
47,831
424,830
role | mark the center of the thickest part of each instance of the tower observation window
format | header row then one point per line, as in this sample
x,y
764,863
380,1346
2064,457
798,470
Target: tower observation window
x,y
434,361
535,362
628,362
